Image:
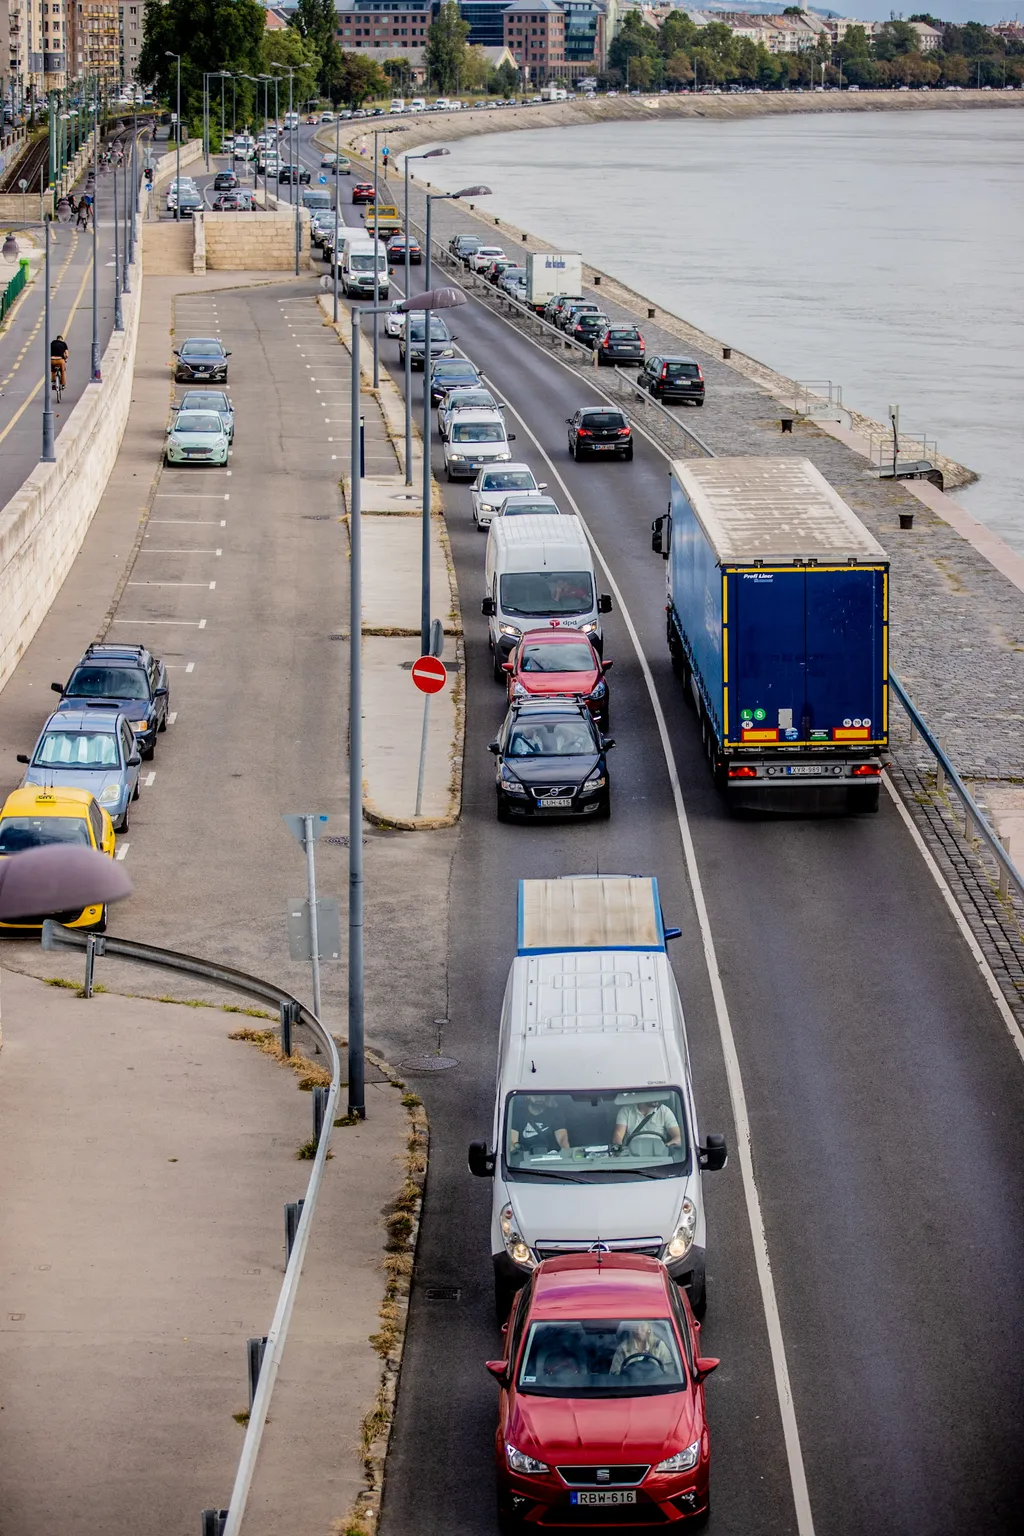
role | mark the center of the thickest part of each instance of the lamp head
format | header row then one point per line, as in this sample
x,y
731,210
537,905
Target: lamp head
x,y
10,250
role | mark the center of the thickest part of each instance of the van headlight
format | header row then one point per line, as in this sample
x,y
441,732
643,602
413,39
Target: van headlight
x,y
679,1244
682,1461
456,458
588,629
504,457
518,1251
509,629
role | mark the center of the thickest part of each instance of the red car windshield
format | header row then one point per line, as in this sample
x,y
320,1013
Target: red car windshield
x,y
573,656
602,1357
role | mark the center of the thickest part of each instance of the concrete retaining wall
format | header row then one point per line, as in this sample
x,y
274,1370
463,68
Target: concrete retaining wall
x,y
167,246
42,527
166,166
254,242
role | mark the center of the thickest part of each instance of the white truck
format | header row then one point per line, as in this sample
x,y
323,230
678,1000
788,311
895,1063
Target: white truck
x,y
552,272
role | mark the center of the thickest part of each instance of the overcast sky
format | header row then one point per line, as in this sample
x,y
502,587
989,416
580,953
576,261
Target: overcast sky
x,y
985,11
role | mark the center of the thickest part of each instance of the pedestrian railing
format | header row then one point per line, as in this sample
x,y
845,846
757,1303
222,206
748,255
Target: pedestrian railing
x,y
263,1354
12,290
821,399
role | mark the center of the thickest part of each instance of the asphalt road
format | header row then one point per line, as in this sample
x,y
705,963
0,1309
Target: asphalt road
x,y
885,1097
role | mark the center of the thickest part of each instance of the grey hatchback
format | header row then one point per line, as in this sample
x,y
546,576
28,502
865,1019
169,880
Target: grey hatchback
x,y
92,748
210,400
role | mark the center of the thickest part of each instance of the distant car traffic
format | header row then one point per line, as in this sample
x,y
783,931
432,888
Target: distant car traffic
x,y
198,437
463,246
494,483
558,663
551,762
225,181
124,677
673,378
92,747
39,818
601,1417
210,400
600,431
201,358
621,344
589,327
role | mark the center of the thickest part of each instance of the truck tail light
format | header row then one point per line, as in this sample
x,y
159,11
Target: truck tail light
x,y
741,772
866,771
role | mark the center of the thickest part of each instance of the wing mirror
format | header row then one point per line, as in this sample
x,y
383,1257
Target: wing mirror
x,y
177,352
606,664
57,688
510,437
508,666
135,761
607,742
542,485
713,1154
673,933
604,603
22,758
703,1365
499,1371
492,746
487,608
481,1159
161,692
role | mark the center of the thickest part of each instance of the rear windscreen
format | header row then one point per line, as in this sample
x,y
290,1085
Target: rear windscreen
x,y
682,370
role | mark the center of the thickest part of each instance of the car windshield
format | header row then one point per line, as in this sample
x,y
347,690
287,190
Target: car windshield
x,y
567,656
198,421
418,328
108,683
470,399
537,594
682,370
77,749
20,832
362,261
590,319
602,1357
508,480
596,1136
525,506
455,369
622,335
551,738
478,432
196,401
203,349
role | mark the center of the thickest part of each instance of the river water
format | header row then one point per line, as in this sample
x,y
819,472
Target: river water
x,y
884,252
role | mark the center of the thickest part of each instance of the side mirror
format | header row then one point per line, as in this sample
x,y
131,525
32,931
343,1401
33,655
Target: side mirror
x,y
673,933
606,664
227,354
135,761
481,1159
510,437
161,692
21,758
56,687
568,421
713,1154
703,1365
542,485
657,543
607,742
487,607
176,352
604,603
499,1371
494,746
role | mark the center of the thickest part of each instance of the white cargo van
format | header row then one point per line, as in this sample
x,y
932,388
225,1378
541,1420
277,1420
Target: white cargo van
x,y
357,260
539,570
594,1146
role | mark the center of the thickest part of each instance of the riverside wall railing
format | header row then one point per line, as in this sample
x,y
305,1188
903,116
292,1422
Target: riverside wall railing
x,y
14,287
263,1354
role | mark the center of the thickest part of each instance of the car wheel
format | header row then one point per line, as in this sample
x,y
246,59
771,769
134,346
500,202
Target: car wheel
x,y
574,451
163,725
699,1301
698,402
149,753
628,455
135,791
123,824
863,801
503,815
500,675
448,472
604,814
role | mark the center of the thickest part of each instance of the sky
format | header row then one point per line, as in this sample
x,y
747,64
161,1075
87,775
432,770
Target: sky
x,y
985,11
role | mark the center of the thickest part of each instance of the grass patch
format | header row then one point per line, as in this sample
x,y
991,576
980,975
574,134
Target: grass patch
x,y
241,1418
58,981
376,1421
348,1120
410,1100
399,1229
266,1040
307,1151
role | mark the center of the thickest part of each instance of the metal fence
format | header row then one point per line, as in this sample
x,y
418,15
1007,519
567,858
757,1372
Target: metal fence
x,y
12,290
263,1354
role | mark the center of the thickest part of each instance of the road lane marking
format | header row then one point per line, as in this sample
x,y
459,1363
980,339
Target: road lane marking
x,y
172,716
190,522
150,779
737,1093
152,551
191,667
122,850
188,623
193,496
169,583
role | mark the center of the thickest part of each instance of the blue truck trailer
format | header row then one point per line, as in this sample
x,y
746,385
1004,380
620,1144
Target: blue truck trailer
x,y
778,627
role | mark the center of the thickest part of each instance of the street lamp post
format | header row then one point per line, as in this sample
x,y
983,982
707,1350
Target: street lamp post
x,y
377,135
293,161
126,285
118,319
10,255
177,140
97,374
429,154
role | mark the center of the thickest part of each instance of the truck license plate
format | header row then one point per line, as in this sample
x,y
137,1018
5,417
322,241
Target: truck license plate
x,y
806,772
604,1497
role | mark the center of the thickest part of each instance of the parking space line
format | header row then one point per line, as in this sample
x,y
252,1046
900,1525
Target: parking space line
x,y
190,522
170,584
172,715
122,851
187,623
193,495
150,779
152,551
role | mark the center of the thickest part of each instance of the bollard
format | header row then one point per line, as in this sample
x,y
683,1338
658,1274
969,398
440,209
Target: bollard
x,y
292,1213
523,239
727,353
1004,876
651,313
95,945
214,1521
787,423
254,1357
319,1106
497,221
286,1028
597,279
906,520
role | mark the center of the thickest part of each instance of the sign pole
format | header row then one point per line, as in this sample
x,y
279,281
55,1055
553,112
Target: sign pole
x,y
423,754
356,1065
429,675
314,936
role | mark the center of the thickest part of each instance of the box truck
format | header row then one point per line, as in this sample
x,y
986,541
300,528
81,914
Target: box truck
x,y
778,627
552,272
594,1144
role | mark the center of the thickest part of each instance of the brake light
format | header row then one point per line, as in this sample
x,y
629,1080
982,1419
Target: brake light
x,y
664,372
700,372
584,432
866,771
743,773
623,432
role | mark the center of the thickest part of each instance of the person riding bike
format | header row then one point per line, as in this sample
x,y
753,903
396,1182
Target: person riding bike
x,y
59,355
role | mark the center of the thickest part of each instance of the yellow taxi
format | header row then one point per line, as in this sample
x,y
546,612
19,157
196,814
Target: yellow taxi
x,y
34,818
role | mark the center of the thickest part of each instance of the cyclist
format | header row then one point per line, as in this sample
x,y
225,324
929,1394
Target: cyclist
x,y
59,355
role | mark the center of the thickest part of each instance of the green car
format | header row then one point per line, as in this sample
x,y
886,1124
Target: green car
x,y
197,437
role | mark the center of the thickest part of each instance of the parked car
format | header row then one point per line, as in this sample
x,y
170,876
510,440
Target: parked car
x,y
463,246
480,259
198,437
550,762
673,378
452,373
364,192
201,357
494,483
90,747
568,312
600,430
558,663
210,400
589,327
620,344
128,678
553,307
39,818
601,1415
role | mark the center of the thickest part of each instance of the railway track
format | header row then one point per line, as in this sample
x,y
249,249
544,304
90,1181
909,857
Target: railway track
x,y
33,166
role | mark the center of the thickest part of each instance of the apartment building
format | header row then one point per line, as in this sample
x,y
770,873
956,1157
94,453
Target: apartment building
x,y
385,28
130,17
535,36
94,39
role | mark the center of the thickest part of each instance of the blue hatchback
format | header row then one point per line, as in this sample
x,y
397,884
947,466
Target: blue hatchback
x,y
452,373
91,748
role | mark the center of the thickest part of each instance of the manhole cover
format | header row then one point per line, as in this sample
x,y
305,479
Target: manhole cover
x,y
443,1293
339,842
428,1063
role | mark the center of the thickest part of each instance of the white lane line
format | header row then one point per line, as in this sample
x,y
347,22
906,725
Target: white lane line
x,y
188,623
122,850
150,550
190,667
737,1094
213,586
189,522
958,917
169,583
193,495
150,779
172,715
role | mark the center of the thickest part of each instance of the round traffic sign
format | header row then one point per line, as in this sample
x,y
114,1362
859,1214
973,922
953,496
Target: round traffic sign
x,y
429,674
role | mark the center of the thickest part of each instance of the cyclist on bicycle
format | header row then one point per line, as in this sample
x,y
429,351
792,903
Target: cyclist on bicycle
x,y
59,355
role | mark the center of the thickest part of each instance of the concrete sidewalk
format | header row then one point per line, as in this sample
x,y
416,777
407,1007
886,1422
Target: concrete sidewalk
x,y
146,1160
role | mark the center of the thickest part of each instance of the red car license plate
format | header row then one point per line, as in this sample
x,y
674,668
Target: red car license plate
x,y
604,1497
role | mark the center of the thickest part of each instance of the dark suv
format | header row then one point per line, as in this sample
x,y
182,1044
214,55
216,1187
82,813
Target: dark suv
x,y
551,762
673,378
130,679
620,344
600,429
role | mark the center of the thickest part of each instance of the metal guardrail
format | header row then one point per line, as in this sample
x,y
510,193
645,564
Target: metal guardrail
x,y
975,822
266,1358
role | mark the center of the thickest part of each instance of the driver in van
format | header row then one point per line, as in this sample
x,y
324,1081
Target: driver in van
x,y
534,1128
648,1117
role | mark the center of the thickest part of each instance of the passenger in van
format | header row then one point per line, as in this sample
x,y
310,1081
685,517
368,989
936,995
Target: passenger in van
x,y
533,1127
649,1117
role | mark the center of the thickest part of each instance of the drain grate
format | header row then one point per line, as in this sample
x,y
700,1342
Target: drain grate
x,y
428,1063
443,1293
342,636
317,517
339,842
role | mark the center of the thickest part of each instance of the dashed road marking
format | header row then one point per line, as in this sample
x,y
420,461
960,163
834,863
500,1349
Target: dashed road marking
x,y
172,715
122,851
150,779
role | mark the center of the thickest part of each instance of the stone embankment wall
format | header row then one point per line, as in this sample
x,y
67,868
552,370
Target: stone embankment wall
x,y
254,242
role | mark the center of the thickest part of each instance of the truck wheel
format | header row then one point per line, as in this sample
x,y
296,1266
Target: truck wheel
x,y
861,801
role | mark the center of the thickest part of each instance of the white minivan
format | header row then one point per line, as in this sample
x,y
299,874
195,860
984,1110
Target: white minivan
x,y
539,571
475,438
356,262
594,1146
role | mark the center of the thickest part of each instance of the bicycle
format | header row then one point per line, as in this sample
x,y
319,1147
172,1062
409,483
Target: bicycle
x,y
55,381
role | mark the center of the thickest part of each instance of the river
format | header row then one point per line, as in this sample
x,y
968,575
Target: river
x,y
884,252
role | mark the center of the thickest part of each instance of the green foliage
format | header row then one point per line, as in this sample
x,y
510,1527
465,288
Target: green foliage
x,y
446,53
209,35
291,47
316,22
357,79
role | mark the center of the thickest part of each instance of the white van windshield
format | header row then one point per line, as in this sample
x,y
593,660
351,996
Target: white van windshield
x,y
596,1136
362,261
538,594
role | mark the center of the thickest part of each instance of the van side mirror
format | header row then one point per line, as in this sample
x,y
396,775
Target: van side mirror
x,y
487,607
481,1159
673,933
604,603
714,1153
703,1366
510,437
657,543
542,485
56,687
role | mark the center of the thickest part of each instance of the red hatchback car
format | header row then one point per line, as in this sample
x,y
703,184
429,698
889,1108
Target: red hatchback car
x,y
364,192
557,663
601,1419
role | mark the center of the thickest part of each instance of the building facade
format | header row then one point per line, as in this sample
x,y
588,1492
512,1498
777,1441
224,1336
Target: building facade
x,y
94,39
384,28
130,16
535,36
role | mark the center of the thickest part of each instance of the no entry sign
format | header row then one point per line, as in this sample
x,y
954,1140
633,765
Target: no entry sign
x,y
429,674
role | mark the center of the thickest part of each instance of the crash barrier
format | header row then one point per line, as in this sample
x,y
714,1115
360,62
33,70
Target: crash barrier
x,y
263,1355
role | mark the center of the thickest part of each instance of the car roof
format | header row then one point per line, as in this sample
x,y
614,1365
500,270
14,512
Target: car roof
x,y
461,363
676,357
35,800
613,1285
108,651
570,708
505,469
213,340
483,413
93,716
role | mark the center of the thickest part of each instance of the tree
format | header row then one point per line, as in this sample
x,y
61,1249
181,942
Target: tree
x,y
504,81
358,79
678,69
634,40
209,35
476,70
317,22
289,47
446,48
929,21
955,69
894,39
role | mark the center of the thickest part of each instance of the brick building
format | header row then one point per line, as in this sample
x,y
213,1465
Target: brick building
x,y
535,36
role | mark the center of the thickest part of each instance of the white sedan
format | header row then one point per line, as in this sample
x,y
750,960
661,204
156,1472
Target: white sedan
x,y
484,255
394,320
493,484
